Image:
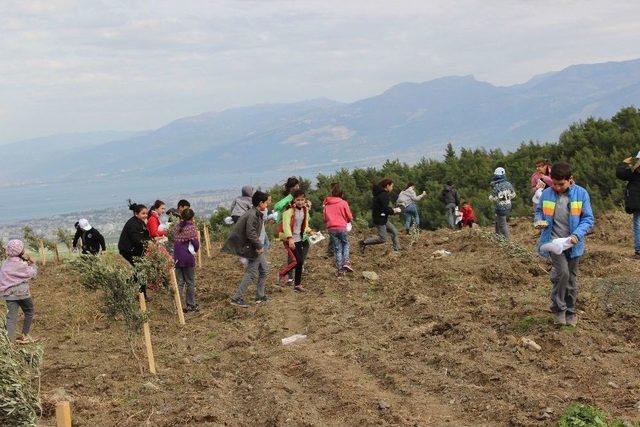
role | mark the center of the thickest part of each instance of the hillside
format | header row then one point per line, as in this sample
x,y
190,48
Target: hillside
x,y
408,121
433,342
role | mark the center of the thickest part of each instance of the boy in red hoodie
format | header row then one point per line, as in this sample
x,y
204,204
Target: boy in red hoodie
x,y
468,216
337,218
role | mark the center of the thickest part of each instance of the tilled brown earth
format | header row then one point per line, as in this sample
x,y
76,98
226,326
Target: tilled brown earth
x,y
432,342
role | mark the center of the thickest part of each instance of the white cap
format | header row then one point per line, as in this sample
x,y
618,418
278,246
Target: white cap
x,y
499,172
638,155
84,224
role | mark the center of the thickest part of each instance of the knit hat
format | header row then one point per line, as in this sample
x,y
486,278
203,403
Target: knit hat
x,y
15,247
499,172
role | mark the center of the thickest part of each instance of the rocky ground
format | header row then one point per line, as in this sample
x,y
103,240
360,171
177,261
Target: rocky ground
x,y
431,342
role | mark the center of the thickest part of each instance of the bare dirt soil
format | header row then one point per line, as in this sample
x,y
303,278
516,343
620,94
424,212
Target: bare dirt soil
x,y
433,342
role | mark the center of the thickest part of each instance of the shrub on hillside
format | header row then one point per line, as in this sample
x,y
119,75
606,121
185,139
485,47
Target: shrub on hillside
x,y
582,415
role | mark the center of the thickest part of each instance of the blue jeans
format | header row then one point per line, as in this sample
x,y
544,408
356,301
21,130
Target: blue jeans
x,y
340,242
636,231
411,213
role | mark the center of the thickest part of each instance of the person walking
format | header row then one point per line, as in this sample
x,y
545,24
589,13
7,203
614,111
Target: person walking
x,y
294,233
92,240
501,193
629,170
292,184
564,212
380,212
451,199
15,273
408,200
337,219
185,247
134,238
247,241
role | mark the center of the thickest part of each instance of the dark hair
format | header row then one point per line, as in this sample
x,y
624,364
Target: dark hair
x,y
184,204
336,191
77,224
385,182
410,184
297,193
291,182
157,204
187,214
561,171
259,197
449,182
136,208
464,202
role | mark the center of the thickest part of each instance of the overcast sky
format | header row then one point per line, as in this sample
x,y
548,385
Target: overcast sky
x,y
76,66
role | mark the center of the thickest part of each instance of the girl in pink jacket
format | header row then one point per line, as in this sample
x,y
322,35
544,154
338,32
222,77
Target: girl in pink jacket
x,y
337,218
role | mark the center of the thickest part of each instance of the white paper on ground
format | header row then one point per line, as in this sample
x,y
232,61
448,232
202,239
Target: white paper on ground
x,y
293,338
557,246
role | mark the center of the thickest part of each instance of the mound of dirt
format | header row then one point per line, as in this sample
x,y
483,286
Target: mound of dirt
x,y
431,342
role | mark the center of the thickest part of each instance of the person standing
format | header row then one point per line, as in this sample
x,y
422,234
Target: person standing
x,y
408,200
134,238
294,232
242,204
156,231
380,212
292,184
246,240
337,217
92,240
564,211
541,173
501,193
629,170
451,199
185,247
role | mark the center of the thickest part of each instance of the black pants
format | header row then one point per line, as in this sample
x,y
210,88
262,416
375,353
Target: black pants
x,y
296,257
130,260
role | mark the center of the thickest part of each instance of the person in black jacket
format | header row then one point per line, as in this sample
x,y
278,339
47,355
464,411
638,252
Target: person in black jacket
x,y
134,238
380,212
629,170
92,239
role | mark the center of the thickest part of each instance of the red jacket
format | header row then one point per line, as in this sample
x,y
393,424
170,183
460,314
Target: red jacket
x,y
153,222
467,214
336,213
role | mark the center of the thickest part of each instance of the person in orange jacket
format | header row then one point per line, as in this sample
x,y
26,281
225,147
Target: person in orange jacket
x,y
468,216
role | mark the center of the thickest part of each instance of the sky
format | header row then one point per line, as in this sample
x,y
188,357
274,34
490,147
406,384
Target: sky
x,y
78,66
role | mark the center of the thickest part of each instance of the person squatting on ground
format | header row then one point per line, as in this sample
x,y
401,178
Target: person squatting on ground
x,y
380,212
92,239
185,247
629,170
15,273
407,200
134,238
468,215
246,240
501,193
564,211
294,233
451,199
337,219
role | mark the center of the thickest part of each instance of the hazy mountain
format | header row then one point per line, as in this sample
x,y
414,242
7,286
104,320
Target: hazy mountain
x,y
410,120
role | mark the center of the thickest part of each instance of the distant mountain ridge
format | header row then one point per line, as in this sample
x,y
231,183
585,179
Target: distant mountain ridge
x,y
408,121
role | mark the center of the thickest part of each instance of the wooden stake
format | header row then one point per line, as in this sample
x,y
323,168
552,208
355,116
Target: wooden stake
x,y
176,295
63,414
147,335
207,240
55,250
43,257
199,250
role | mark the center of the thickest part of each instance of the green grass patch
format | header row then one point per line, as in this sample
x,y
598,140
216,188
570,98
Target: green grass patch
x,y
529,323
583,415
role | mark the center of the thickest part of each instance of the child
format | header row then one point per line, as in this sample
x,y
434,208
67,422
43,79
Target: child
x,y
502,193
337,216
15,273
185,246
468,215
92,239
380,212
247,240
564,211
294,232
538,193
407,200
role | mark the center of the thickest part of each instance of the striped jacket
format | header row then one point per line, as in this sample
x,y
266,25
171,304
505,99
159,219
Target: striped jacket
x,y
581,219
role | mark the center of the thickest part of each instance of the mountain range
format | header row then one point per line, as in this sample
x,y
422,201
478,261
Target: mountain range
x,y
408,121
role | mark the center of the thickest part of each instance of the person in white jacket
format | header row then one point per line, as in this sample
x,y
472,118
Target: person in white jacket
x,y
407,201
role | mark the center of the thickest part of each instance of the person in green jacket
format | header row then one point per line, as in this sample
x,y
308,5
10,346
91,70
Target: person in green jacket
x,y
292,184
294,233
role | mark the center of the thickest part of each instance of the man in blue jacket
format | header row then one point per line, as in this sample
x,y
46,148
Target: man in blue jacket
x,y
564,211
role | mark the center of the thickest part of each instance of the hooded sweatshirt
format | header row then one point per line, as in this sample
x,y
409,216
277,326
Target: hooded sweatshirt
x,y
184,234
381,210
15,273
502,193
337,213
243,203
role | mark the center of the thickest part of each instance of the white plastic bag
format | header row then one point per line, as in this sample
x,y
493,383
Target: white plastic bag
x,y
315,238
557,246
192,249
349,227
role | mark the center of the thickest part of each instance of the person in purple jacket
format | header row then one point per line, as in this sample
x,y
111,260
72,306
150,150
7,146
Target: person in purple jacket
x,y
185,246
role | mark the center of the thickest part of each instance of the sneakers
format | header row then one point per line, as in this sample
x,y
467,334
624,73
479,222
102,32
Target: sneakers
x,y
239,302
363,247
571,319
339,274
560,318
299,288
636,256
260,300
283,282
348,268
190,308
25,339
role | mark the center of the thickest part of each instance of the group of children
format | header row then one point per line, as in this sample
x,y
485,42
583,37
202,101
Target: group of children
x,y
562,213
